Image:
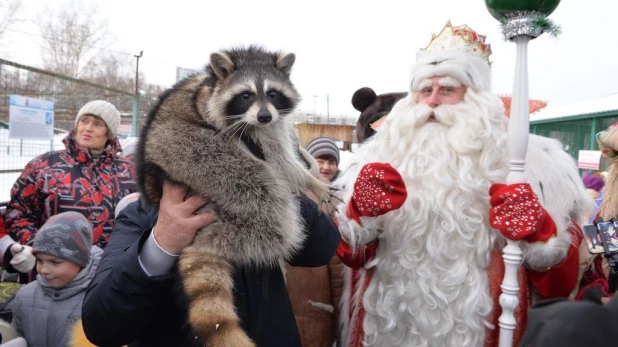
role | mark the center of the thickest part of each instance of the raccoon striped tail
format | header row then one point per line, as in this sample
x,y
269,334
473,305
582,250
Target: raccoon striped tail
x,y
208,283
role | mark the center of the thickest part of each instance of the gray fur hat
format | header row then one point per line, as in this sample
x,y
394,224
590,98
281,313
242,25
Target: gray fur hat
x,y
67,235
323,146
104,110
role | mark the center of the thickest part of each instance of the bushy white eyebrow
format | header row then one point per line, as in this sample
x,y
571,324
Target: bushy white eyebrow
x,y
425,83
448,81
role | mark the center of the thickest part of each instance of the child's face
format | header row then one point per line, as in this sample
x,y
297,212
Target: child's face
x,y
327,166
56,271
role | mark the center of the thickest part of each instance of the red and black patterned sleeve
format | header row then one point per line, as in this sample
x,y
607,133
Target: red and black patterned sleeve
x,y
133,171
24,214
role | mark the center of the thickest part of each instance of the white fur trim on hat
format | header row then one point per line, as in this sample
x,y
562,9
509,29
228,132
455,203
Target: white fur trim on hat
x,y
104,110
468,69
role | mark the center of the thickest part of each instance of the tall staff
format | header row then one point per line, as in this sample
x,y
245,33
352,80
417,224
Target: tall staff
x,y
522,21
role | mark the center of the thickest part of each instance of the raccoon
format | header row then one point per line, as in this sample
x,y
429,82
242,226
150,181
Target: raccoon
x,y
224,134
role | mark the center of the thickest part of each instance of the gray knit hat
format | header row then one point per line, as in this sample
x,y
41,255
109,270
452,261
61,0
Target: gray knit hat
x,y
67,235
323,146
104,110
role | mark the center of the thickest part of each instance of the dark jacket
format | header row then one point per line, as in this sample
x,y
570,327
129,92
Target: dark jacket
x,y
123,305
70,180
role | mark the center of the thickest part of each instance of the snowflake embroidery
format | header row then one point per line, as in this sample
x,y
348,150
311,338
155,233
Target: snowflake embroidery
x,y
520,211
370,193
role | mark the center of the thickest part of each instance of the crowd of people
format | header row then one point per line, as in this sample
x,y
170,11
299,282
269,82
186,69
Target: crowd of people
x,y
59,221
408,254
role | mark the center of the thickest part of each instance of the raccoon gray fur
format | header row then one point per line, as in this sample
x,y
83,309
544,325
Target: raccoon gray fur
x,y
224,134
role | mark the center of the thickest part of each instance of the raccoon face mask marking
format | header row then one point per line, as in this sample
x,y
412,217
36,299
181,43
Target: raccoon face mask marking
x,y
250,86
258,108
279,101
241,103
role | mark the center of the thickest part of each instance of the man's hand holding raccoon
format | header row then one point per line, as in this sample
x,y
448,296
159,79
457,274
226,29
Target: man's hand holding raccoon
x,y
177,224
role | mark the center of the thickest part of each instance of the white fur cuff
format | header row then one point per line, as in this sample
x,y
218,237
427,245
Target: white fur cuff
x,y
542,255
356,235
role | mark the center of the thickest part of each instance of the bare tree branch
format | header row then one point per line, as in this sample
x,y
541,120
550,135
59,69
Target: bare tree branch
x,y
71,37
8,14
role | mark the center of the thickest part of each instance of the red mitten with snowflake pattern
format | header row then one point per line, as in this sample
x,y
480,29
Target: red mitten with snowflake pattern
x,y
378,189
517,213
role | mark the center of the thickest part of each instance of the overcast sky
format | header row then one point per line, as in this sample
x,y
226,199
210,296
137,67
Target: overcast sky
x,y
343,45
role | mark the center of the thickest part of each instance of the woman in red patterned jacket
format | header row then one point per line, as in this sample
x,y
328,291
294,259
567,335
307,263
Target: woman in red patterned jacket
x,y
88,177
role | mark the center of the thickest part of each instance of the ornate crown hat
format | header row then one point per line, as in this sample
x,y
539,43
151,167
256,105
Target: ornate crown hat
x,y
458,52
461,38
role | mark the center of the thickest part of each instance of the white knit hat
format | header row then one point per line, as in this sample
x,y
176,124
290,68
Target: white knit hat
x,y
104,110
468,69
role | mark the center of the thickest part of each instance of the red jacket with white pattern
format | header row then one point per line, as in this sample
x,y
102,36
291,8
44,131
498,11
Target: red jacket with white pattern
x,y
70,180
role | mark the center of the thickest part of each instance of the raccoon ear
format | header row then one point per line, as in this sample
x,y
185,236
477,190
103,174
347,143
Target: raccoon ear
x,y
221,64
285,62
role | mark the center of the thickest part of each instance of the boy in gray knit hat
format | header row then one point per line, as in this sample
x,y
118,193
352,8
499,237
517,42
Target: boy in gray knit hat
x,y
326,153
45,311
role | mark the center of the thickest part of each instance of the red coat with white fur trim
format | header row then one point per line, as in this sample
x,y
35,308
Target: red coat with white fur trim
x,y
550,268
558,281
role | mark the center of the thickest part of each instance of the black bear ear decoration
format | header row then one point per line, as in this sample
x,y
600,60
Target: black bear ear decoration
x,y
363,98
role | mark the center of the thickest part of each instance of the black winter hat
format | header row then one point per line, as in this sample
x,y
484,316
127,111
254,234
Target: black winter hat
x,y
372,107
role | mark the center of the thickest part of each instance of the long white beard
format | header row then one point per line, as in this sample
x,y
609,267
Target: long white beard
x,y
430,286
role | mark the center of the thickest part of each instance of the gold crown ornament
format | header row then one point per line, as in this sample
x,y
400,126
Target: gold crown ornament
x,y
461,38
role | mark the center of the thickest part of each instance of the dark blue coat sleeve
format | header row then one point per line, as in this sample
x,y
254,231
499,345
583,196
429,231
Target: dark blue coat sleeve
x,y
322,236
121,299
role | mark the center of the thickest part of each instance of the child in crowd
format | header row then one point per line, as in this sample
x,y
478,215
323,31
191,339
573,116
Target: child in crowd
x,y
326,153
45,311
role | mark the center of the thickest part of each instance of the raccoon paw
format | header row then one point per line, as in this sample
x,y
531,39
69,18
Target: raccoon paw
x,y
321,190
335,193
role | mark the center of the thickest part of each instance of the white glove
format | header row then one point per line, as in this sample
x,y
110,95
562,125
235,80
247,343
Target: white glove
x,y
16,342
23,260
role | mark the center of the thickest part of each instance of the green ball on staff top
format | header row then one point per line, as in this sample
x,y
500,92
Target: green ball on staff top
x,y
499,9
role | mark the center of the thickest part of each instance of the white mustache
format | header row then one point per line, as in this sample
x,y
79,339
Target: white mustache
x,y
444,114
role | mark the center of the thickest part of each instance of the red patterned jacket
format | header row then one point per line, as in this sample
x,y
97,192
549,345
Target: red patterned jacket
x,y
70,180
